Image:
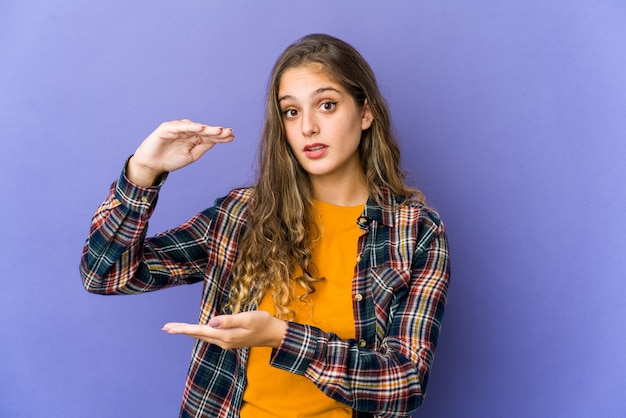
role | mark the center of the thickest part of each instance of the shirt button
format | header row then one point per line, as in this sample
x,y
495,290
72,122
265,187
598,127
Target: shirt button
x,y
358,258
144,199
362,343
363,220
358,297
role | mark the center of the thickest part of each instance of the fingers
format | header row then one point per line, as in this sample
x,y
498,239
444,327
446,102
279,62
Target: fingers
x,y
248,329
223,321
224,338
192,330
229,321
216,134
188,128
215,322
181,328
172,326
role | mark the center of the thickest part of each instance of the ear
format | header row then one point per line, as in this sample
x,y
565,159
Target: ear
x,y
366,116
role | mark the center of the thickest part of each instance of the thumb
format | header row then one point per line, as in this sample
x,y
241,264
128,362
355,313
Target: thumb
x,y
221,321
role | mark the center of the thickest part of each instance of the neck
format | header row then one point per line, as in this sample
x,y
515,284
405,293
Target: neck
x,y
350,191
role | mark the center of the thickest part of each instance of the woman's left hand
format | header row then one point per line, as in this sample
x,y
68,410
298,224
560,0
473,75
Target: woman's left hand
x,y
247,329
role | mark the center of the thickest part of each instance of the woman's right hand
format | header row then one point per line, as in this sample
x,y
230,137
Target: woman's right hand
x,y
171,146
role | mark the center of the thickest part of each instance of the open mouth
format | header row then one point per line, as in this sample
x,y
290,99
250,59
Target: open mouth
x,y
315,150
314,147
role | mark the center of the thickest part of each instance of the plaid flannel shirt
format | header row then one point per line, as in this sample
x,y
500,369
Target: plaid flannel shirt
x,y
399,293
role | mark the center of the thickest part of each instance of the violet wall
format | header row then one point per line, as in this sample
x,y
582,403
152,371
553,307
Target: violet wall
x,y
512,118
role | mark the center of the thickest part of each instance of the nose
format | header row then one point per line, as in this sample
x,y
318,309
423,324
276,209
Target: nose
x,y
309,124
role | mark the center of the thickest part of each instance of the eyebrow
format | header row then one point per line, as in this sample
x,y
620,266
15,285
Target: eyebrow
x,y
315,93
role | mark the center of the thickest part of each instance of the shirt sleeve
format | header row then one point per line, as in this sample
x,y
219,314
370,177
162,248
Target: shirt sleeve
x,y
388,380
118,258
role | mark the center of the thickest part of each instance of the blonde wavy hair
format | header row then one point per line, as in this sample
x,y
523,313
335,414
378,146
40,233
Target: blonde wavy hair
x,y
281,224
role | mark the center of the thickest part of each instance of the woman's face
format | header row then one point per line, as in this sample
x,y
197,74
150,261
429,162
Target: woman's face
x,y
323,123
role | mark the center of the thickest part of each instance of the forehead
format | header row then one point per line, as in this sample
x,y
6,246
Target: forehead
x,y
304,79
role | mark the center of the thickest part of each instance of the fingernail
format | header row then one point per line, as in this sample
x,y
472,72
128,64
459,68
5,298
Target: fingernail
x,y
215,323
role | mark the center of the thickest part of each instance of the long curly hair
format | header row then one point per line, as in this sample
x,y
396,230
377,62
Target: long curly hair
x,y
275,249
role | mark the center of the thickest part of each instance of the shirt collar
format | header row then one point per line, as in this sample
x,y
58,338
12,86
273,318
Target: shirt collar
x,y
374,212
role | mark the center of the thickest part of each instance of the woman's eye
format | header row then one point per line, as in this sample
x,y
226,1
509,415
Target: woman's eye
x,y
290,113
328,106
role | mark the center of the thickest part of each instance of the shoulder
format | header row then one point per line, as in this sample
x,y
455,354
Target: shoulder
x,y
417,219
423,227
420,212
233,205
236,196
403,210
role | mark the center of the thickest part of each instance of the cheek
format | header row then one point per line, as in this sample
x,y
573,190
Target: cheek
x,y
354,133
291,143
290,138
353,126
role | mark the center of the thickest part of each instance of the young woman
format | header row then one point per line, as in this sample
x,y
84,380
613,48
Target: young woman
x,y
324,284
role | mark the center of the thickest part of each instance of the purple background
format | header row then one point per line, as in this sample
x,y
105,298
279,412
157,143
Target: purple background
x,y
512,118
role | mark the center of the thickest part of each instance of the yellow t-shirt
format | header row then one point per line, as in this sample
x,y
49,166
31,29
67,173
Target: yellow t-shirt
x,y
272,392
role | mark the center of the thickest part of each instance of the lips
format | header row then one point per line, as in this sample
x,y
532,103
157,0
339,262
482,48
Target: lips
x,y
315,150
